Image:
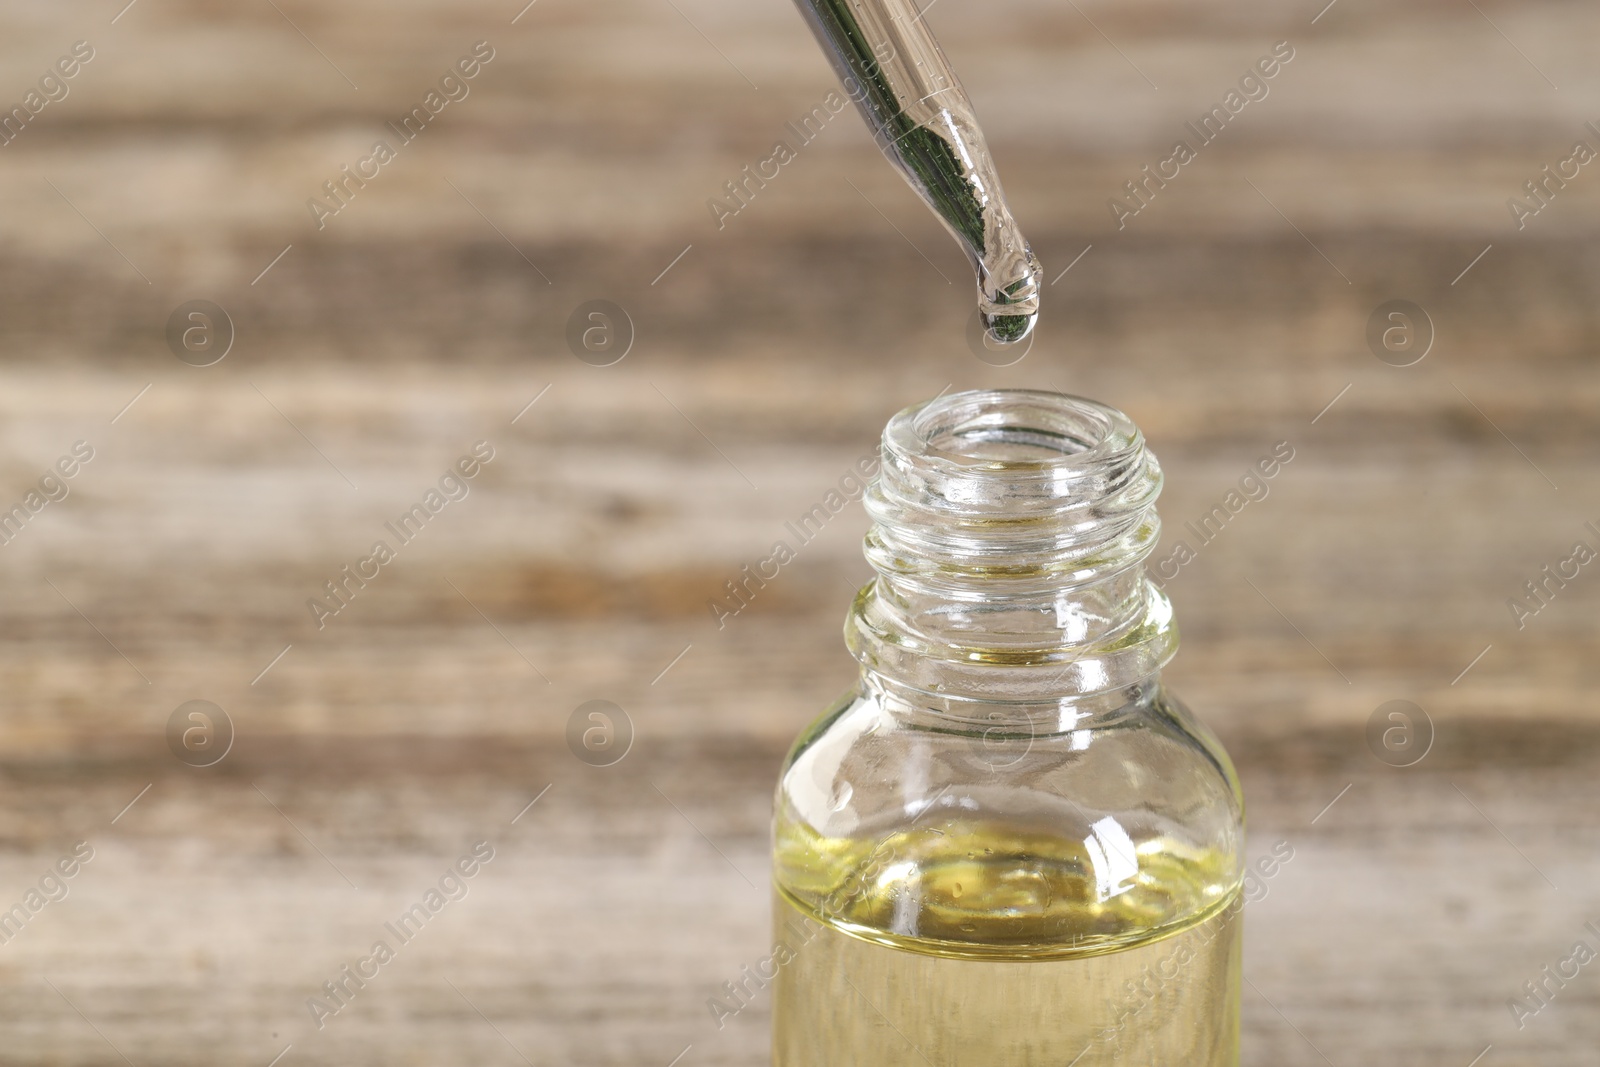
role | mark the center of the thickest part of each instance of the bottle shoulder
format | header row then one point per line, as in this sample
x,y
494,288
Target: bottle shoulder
x,y
994,837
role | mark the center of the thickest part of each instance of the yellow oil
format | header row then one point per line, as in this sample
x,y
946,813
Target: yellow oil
x,y
971,944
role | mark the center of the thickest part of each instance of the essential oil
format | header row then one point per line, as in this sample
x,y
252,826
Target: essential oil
x,y
1009,844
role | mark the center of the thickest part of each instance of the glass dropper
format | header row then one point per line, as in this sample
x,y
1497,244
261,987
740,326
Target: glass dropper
x,y
892,67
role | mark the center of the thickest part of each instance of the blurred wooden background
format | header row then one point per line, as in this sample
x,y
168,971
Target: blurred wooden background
x,y
432,309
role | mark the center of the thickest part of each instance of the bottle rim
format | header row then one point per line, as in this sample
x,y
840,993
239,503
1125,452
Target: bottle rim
x,y
1010,529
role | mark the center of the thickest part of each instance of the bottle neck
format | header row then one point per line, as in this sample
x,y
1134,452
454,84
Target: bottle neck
x,y
1010,529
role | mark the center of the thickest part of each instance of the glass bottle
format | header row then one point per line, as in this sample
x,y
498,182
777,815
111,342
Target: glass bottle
x,y
1009,844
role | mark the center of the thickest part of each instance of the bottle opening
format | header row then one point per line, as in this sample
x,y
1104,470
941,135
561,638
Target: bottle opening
x,y
1014,427
1010,528
1015,453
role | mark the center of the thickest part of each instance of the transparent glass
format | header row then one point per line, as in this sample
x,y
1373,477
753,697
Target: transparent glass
x,y
1009,844
889,63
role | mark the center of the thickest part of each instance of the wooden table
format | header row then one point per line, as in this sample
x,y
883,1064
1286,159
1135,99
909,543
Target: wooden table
x,y
427,314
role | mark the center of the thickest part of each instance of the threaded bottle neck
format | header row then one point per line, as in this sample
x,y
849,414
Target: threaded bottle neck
x,y
1010,529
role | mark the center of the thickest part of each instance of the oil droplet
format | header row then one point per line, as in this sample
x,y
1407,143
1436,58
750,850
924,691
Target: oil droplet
x,y
955,891
1009,329
842,794
1009,280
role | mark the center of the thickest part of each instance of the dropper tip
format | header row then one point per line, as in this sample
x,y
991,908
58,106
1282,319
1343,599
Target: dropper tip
x,y
1011,310
1009,329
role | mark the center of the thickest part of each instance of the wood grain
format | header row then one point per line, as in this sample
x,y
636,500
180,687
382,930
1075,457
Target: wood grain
x,y
424,317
